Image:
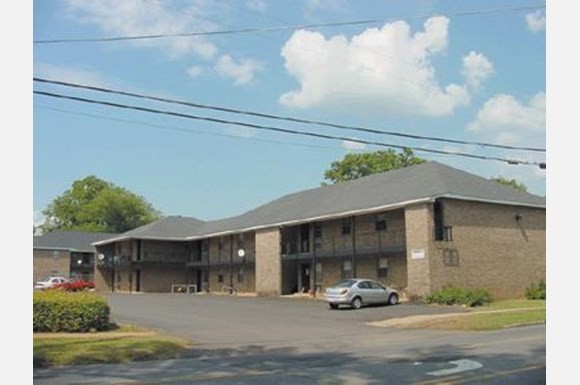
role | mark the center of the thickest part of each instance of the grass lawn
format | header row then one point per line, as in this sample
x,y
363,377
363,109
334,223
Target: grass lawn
x,y
497,315
125,344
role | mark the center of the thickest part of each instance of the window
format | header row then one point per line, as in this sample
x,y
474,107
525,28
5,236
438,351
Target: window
x,y
241,275
318,272
364,285
380,223
383,267
317,231
241,241
346,226
347,269
221,277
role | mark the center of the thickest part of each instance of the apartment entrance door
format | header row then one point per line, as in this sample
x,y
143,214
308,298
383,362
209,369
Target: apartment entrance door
x,y
305,277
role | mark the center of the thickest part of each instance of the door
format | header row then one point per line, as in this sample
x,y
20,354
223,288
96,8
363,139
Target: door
x,y
138,280
305,277
198,279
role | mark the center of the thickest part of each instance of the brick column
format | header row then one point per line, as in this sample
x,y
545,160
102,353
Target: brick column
x,y
268,262
419,234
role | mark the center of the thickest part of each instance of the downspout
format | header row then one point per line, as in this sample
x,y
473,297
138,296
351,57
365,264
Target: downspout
x,y
231,263
353,225
313,267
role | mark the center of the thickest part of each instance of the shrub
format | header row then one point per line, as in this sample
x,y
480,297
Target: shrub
x,y
61,311
536,291
452,295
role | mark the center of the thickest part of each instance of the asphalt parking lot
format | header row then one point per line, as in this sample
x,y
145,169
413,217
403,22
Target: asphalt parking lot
x,y
234,320
262,341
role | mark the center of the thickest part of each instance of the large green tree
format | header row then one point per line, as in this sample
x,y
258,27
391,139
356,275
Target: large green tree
x,y
355,165
92,204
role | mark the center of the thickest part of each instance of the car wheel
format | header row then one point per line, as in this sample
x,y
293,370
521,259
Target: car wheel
x,y
356,303
333,306
393,299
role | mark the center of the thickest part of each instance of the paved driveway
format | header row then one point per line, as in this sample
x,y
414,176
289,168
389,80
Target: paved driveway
x,y
213,320
263,341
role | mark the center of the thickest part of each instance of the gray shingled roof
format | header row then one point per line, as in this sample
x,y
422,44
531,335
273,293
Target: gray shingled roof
x,y
390,189
69,240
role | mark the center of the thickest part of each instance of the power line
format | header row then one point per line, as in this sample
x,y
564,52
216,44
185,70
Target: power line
x,y
275,29
279,129
182,129
286,118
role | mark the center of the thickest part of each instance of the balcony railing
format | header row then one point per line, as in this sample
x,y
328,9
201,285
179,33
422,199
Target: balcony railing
x,y
371,242
443,233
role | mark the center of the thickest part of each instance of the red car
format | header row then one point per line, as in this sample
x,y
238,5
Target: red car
x,y
75,285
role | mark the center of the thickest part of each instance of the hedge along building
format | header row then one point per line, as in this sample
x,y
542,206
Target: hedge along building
x,y
419,229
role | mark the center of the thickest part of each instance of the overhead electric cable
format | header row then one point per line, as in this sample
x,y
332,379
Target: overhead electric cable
x,y
286,118
183,129
281,28
279,129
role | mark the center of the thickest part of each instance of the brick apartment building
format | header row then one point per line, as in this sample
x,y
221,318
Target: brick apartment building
x,y
66,254
418,228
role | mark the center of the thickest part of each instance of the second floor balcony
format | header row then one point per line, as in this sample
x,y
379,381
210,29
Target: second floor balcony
x,y
335,246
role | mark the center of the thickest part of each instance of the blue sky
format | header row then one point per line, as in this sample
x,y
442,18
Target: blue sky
x,y
472,71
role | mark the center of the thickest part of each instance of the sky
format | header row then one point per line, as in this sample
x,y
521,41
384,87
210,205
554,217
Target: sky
x,y
472,73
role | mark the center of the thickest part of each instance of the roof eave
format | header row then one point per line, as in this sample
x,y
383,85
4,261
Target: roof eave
x,y
315,218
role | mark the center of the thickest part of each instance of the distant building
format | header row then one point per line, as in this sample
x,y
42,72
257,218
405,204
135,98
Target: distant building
x,y
418,228
65,253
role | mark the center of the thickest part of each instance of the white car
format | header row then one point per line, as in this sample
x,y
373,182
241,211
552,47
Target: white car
x,y
356,293
50,282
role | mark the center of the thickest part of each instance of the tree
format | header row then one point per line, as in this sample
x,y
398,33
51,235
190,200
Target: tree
x,y
92,204
353,166
510,182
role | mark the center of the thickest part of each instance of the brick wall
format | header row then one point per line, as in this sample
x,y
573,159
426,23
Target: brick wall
x,y
490,248
50,262
268,262
419,229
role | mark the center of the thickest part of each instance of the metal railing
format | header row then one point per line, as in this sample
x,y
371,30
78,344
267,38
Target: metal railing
x,y
183,288
338,245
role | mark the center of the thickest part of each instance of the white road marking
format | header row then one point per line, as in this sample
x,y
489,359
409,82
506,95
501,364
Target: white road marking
x,y
460,366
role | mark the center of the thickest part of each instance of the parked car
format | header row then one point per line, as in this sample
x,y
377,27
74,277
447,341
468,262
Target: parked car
x,y
50,282
359,292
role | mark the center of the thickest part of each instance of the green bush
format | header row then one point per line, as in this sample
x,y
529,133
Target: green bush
x,y
452,295
536,291
60,311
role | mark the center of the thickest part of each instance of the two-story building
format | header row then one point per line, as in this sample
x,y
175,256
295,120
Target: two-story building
x,y
65,253
419,229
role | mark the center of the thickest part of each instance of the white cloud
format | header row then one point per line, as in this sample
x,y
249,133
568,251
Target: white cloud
x,y
387,70
37,217
476,69
506,120
194,71
242,73
353,146
536,21
149,17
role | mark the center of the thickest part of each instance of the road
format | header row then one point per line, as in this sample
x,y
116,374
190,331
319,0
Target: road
x,y
300,341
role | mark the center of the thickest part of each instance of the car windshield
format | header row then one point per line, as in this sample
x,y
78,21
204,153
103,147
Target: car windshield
x,y
345,283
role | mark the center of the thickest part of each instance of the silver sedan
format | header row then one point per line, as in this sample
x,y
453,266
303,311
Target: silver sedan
x,y
357,292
